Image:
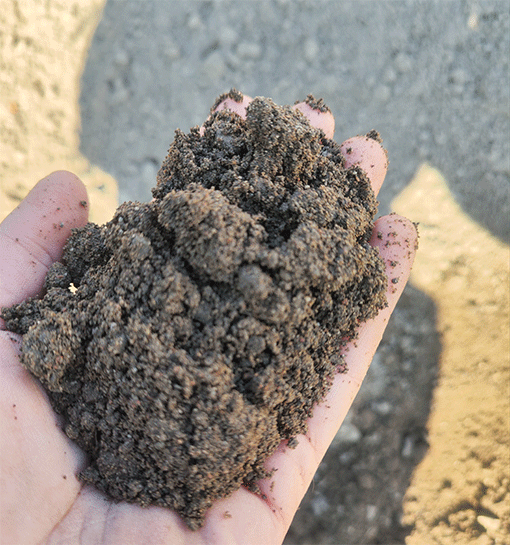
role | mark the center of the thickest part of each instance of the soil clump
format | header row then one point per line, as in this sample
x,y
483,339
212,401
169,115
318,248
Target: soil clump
x,y
203,326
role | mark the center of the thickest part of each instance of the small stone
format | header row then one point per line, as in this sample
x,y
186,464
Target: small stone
x,y
346,457
382,407
194,22
253,281
250,50
148,171
390,76
256,345
319,505
403,62
347,434
408,448
310,50
121,58
371,512
172,51
214,66
492,525
228,36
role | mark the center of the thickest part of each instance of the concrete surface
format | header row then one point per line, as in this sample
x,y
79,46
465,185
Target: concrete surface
x,y
432,77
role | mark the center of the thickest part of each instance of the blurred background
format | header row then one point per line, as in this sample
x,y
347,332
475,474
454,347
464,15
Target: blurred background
x,y
99,87
431,77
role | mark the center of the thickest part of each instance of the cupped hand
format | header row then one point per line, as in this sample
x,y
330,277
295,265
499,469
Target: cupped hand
x,y
41,499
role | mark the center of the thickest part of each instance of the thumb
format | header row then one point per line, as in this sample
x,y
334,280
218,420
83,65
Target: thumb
x,y
33,235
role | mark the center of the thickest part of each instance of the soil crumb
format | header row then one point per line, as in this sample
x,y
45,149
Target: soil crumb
x,y
233,94
316,104
186,338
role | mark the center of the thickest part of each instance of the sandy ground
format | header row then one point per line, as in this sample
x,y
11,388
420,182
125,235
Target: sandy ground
x,y
459,493
43,46
423,456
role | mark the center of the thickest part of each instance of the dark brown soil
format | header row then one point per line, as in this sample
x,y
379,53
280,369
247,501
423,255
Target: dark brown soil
x,y
186,338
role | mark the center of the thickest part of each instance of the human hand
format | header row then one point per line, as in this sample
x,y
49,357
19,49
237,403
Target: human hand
x,y
41,499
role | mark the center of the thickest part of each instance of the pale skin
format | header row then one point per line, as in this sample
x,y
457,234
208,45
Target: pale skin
x,y
41,499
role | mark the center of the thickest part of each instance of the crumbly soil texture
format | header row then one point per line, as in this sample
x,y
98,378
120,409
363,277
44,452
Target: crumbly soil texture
x,y
186,338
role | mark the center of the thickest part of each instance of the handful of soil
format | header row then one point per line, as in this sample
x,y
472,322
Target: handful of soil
x,y
186,338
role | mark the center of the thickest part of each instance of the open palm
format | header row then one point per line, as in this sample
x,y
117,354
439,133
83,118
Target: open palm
x,y
41,499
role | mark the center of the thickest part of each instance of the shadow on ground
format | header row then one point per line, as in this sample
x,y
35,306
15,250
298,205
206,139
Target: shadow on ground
x,y
356,495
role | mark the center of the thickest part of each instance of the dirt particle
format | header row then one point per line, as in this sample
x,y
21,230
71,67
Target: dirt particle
x,y
374,135
292,443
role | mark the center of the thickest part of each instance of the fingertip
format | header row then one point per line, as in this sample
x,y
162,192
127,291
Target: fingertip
x,y
323,120
231,102
369,155
236,106
33,234
56,204
67,184
400,228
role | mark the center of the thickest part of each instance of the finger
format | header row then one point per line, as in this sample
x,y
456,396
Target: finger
x,y
33,235
369,155
237,106
323,120
395,237
363,151
41,462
